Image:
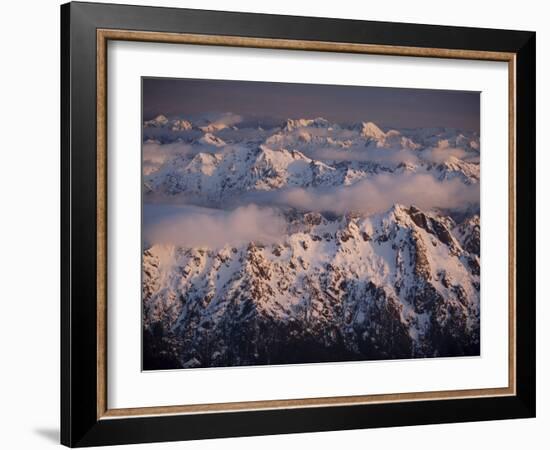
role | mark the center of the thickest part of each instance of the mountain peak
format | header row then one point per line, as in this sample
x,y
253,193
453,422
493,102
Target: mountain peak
x,y
158,121
181,125
398,211
213,127
161,118
370,129
293,124
210,139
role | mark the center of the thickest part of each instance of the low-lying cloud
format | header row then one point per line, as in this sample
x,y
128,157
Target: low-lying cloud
x,y
443,154
188,226
154,155
228,119
391,156
377,194
365,155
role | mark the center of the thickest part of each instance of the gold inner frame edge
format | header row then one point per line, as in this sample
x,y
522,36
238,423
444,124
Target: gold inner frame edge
x,y
103,36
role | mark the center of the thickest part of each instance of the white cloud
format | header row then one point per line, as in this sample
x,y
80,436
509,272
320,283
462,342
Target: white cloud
x,y
379,193
190,226
228,119
154,155
365,155
443,152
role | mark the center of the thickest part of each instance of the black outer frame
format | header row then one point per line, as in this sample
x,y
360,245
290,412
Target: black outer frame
x,y
79,423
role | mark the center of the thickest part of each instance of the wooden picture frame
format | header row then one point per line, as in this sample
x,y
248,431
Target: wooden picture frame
x,y
86,418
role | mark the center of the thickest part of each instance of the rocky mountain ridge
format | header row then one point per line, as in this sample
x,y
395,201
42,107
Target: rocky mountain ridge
x,y
397,285
400,283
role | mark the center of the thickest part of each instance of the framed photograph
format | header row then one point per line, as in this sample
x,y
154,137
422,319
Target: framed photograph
x,y
276,224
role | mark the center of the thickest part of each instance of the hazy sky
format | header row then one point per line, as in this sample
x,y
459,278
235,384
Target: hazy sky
x,y
390,107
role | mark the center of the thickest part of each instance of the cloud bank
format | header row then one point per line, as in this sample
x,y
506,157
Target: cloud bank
x,y
189,226
377,194
228,119
442,153
154,155
365,155
390,156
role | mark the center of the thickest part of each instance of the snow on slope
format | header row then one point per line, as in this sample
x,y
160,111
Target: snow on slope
x,y
399,284
309,152
394,285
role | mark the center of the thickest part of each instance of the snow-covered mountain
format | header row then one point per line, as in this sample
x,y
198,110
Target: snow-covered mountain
x,y
401,282
237,170
306,153
310,131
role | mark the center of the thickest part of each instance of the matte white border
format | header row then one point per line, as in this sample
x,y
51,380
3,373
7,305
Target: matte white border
x,y
129,387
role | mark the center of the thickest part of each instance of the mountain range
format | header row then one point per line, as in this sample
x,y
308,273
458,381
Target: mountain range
x,y
376,253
